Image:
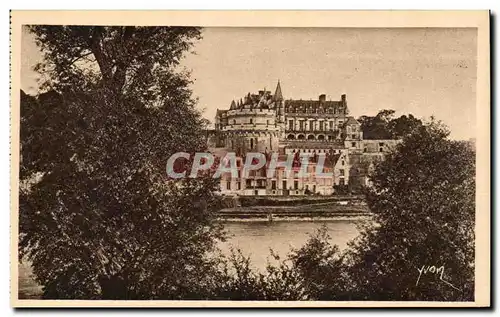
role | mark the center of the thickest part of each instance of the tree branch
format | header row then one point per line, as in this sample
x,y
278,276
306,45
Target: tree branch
x,y
95,47
80,57
123,63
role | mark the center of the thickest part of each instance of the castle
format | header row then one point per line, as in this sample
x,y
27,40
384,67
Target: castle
x,y
266,123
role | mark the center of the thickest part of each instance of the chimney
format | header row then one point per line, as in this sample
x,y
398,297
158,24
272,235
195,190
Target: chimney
x,y
343,98
322,98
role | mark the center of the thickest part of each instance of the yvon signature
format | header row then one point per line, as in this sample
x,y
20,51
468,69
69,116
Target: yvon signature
x,y
434,270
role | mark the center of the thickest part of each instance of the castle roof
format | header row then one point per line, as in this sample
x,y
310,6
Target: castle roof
x,y
262,100
314,106
265,100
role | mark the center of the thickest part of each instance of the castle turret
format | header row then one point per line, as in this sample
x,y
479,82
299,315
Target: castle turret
x,y
280,104
278,95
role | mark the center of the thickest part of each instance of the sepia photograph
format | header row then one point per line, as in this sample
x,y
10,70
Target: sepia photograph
x,y
312,159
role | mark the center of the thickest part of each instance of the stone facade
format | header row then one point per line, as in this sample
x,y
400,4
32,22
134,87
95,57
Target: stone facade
x,y
268,123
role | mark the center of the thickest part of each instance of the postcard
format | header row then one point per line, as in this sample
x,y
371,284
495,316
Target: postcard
x,y
250,159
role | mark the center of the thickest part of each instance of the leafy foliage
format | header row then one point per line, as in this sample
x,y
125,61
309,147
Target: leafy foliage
x,y
423,198
385,126
129,60
98,217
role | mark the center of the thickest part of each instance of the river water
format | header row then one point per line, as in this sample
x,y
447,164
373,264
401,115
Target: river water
x,y
255,239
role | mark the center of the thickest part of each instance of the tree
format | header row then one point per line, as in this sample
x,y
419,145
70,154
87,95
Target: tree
x,y
98,217
403,126
376,127
129,59
419,246
423,200
385,126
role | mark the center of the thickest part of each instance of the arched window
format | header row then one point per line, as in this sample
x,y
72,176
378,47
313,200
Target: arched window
x,y
290,137
301,137
321,137
310,137
251,120
251,143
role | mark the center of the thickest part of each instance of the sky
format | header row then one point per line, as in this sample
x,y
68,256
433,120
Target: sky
x,y
422,71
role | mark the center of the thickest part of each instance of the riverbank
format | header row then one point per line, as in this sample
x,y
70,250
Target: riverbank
x,y
300,209
356,217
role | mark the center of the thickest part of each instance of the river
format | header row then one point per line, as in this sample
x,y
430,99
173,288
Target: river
x,y
255,239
